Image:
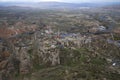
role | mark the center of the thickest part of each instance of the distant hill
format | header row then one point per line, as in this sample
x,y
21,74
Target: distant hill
x,y
56,5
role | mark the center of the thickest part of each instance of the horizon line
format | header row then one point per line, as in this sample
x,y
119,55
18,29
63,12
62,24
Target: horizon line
x,y
55,1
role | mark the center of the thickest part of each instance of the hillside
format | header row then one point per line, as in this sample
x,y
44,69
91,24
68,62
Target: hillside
x,y
74,43
56,5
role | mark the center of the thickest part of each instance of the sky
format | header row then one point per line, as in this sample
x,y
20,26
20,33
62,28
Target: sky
x,y
71,1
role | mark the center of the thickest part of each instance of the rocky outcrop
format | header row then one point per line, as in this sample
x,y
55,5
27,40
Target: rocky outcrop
x,y
24,61
27,51
8,61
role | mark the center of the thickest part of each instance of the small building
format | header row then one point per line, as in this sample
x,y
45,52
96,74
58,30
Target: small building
x,y
101,28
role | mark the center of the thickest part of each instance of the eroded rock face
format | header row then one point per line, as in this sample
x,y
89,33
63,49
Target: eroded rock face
x,y
27,51
24,61
14,59
44,53
50,55
8,61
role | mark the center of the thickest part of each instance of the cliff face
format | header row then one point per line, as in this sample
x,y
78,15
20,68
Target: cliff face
x,y
28,52
8,61
24,52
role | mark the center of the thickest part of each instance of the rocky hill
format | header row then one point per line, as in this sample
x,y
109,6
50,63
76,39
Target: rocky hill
x,y
48,55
